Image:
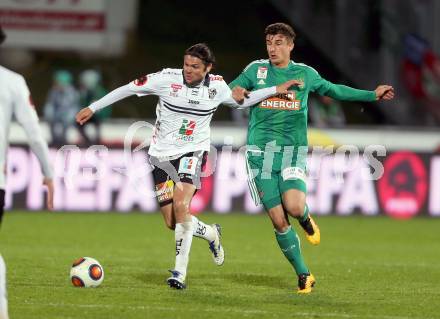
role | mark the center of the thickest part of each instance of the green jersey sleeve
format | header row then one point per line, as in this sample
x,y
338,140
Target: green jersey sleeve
x,y
245,79
338,91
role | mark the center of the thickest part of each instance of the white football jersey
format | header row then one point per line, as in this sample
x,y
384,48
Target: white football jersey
x,y
15,100
183,112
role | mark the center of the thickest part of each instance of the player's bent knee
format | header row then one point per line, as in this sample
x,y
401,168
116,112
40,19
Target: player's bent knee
x,y
295,209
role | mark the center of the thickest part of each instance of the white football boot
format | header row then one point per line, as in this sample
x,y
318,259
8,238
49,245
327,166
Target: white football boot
x,y
177,280
216,247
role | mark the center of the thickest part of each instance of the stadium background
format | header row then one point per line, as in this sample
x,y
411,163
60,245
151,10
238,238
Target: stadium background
x,y
368,265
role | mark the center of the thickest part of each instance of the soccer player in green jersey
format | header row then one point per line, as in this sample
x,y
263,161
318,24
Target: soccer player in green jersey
x,y
277,140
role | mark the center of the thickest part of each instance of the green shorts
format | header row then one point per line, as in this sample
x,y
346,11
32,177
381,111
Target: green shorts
x,y
272,174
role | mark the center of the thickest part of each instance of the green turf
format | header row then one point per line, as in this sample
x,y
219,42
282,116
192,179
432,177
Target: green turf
x,y
365,268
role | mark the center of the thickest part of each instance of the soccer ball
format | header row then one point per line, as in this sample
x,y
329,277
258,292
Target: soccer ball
x,y
86,272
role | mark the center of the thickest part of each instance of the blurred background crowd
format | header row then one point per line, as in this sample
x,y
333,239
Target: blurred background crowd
x,y
65,99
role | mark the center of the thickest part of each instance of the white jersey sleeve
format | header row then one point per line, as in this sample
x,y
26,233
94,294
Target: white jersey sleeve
x,y
110,98
145,85
254,96
149,84
25,114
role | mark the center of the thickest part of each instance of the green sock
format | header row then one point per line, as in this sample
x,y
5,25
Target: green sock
x,y
305,215
290,246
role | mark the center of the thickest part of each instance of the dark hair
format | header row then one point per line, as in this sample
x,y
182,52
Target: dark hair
x,y
281,28
2,35
201,51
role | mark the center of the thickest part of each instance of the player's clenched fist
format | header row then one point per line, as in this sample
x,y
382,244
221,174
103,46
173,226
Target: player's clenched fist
x,y
239,94
384,92
84,115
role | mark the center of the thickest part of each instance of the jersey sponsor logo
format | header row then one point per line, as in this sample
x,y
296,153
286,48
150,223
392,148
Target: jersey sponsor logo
x,y
215,78
187,127
164,191
186,131
290,173
282,102
175,89
187,165
262,72
193,102
261,82
140,81
287,96
212,93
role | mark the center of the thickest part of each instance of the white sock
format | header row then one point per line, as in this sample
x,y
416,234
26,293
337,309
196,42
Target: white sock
x,y
200,229
183,235
3,294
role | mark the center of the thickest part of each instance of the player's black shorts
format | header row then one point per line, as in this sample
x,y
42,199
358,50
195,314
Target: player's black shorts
x,y
185,169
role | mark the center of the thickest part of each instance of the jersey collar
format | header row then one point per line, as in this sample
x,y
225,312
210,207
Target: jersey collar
x,y
204,82
291,63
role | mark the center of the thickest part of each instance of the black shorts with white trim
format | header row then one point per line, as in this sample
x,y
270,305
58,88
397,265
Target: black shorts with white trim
x,y
185,169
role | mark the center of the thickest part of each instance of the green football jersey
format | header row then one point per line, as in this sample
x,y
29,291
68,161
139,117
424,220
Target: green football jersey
x,y
283,118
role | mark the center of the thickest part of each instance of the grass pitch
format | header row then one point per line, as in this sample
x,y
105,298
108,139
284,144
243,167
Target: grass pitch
x,y
365,268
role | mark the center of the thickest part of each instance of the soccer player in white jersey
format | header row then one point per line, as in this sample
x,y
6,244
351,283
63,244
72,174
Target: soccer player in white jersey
x,y
15,101
181,140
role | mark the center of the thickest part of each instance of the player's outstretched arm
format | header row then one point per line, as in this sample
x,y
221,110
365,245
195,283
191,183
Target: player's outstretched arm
x,y
114,96
346,93
242,98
